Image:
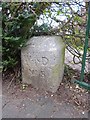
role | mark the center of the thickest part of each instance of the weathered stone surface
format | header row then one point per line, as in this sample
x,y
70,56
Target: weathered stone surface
x,y
43,62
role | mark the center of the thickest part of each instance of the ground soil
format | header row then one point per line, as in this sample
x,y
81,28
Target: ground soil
x,y
67,92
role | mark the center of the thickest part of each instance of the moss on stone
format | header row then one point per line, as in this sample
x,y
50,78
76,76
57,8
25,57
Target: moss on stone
x,y
63,55
58,67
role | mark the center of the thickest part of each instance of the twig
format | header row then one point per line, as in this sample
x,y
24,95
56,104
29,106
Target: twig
x,y
10,82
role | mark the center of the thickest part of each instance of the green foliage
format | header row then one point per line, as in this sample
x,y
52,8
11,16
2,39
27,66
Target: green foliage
x,y
41,30
17,22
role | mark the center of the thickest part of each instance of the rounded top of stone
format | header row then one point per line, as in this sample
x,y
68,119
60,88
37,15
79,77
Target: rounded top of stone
x,y
45,42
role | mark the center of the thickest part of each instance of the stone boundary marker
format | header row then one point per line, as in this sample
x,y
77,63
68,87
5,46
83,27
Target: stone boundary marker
x,y
43,62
